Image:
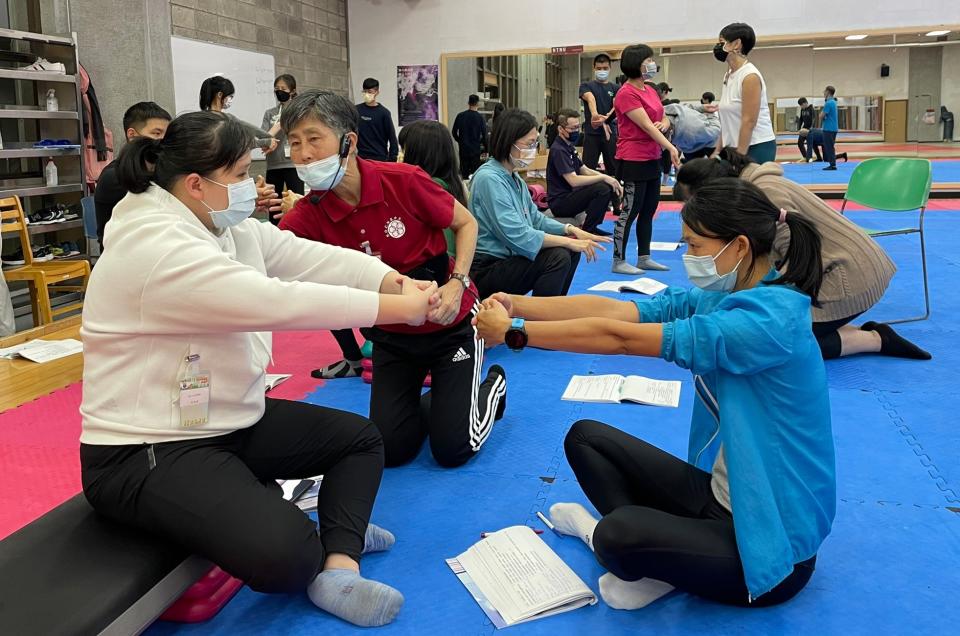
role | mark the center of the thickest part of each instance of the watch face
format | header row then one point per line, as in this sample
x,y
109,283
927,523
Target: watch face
x,y
515,339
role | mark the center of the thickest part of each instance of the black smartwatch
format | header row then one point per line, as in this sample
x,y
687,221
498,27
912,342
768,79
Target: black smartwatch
x,y
516,336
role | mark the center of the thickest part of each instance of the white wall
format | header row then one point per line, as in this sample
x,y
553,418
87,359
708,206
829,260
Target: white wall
x,y
950,89
799,72
385,33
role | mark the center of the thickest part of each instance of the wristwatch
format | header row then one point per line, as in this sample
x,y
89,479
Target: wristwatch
x,y
516,336
463,278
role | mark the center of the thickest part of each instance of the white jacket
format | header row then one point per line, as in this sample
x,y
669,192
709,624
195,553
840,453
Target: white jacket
x,y
166,287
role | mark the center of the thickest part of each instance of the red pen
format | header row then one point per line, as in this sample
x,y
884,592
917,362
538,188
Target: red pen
x,y
484,535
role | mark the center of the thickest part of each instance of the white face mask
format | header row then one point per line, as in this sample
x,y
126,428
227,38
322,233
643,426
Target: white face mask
x,y
527,155
325,174
227,103
602,75
369,98
241,202
702,271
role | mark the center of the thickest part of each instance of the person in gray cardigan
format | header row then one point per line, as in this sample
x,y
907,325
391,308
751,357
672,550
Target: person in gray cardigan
x,y
856,270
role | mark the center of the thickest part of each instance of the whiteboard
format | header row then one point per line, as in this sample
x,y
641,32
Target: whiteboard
x,y
252,75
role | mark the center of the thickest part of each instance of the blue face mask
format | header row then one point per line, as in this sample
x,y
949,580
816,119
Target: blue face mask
x,y
702,271
241,202
573,138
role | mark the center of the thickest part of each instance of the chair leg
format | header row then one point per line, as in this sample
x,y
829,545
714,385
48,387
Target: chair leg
x,y
35,303
843,206
926,285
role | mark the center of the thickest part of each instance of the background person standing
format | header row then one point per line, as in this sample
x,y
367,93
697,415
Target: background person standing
x,y
378,137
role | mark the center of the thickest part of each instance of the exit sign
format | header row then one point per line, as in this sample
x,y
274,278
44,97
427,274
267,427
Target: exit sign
x,y
567,50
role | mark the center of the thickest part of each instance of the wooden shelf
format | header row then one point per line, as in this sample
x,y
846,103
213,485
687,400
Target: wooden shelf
x,y
48,151
38,190
37,76
9,113
54,227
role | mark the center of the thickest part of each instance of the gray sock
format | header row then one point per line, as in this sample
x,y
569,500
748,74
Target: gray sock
x,y
623,267
647,263
349,596
377,539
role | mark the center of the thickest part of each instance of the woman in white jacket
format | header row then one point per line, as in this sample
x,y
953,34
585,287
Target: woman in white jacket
x,y
178,438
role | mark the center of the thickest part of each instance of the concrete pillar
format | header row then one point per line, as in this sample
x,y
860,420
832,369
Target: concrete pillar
x,y
461,83
532,84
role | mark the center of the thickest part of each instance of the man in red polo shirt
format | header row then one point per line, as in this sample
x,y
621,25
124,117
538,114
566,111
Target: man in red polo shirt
x,y
396,212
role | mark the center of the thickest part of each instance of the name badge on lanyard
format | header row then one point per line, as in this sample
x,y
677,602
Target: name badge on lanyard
x,y
194,400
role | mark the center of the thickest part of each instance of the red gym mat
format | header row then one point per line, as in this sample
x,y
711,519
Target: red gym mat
x,y
39,441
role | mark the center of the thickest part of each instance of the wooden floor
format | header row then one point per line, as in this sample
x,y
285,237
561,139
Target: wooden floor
x,y
22,381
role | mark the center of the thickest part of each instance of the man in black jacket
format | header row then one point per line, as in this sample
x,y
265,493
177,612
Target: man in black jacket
x,y
378,137
470,133
805,120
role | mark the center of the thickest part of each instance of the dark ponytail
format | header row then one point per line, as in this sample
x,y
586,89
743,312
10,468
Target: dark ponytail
x,y
200,142
728,207
211,86
695,174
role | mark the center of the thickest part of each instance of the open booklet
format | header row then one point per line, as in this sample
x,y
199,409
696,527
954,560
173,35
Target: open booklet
x,y
614,389
641,286
41,351
276,379
515,577
663,247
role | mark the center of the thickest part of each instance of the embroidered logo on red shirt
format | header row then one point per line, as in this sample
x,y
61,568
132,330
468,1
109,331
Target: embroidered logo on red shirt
x,y
395,228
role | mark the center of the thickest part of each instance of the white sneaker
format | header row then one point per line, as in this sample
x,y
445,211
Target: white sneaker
x,y
46,66
623,267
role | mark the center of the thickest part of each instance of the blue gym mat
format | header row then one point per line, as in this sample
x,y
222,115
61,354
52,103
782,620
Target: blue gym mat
x,y
944,171
889,566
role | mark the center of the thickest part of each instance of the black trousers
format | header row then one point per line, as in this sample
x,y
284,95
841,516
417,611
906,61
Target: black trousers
x,y
217,496
469,161
828,337
640,200
284,178
457,414
593,199
549,274
808,149
830,147
661,520
596,145
348,344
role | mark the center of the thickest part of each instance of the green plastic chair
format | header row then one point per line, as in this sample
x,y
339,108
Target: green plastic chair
x,y
897,185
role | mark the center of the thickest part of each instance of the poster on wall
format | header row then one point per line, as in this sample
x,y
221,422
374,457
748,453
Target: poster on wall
x,y
417,93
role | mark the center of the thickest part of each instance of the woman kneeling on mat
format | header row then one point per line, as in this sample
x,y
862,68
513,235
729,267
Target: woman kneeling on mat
x,y
178,439
742,522
856,270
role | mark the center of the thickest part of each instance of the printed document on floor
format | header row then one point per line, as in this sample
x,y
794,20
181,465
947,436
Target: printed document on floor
x,y
515,577
640,286
614,389
41,351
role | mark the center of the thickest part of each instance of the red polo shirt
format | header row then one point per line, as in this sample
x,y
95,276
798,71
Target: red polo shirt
x,y
401,216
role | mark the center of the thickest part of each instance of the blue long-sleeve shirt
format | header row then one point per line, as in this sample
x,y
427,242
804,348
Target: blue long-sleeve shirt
x,y
762,394
377,138
509,222
470,131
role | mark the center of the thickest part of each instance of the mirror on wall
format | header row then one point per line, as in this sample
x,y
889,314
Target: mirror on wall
x,y
538,83
860,118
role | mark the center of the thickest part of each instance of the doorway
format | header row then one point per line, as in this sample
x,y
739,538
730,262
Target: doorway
x,y
895,121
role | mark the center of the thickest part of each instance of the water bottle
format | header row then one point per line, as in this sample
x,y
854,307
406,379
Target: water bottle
x,y
53,104
51,173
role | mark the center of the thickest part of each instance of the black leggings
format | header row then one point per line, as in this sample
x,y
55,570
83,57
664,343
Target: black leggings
x,y
828,337
218,496
640,199
549,274
661,520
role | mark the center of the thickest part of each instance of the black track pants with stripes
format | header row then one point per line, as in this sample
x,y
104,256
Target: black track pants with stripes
x,y
457,414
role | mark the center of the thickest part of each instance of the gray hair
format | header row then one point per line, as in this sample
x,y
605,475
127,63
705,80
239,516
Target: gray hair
x,y
332,110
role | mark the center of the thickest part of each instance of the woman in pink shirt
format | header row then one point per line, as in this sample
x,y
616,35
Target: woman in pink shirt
x,y
642,123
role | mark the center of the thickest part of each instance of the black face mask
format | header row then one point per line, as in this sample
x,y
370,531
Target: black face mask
x,y
719,53
282,96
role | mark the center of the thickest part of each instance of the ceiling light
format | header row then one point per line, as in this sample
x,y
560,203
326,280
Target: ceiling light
x,y
856,37
934,34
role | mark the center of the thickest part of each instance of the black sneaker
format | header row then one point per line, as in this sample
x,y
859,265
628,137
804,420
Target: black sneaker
x,y
13,259
70,248
830,168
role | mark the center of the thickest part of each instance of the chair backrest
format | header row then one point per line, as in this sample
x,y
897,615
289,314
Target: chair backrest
x,y
891,183
12,221
89,217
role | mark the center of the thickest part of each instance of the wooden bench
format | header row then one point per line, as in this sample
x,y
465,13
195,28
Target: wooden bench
x,y
22,380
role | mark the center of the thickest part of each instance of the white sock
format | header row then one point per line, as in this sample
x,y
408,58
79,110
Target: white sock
x,y
573,520
631,595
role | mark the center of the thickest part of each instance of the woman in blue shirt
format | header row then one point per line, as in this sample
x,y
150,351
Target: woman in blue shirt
x,y
742,520
520,250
